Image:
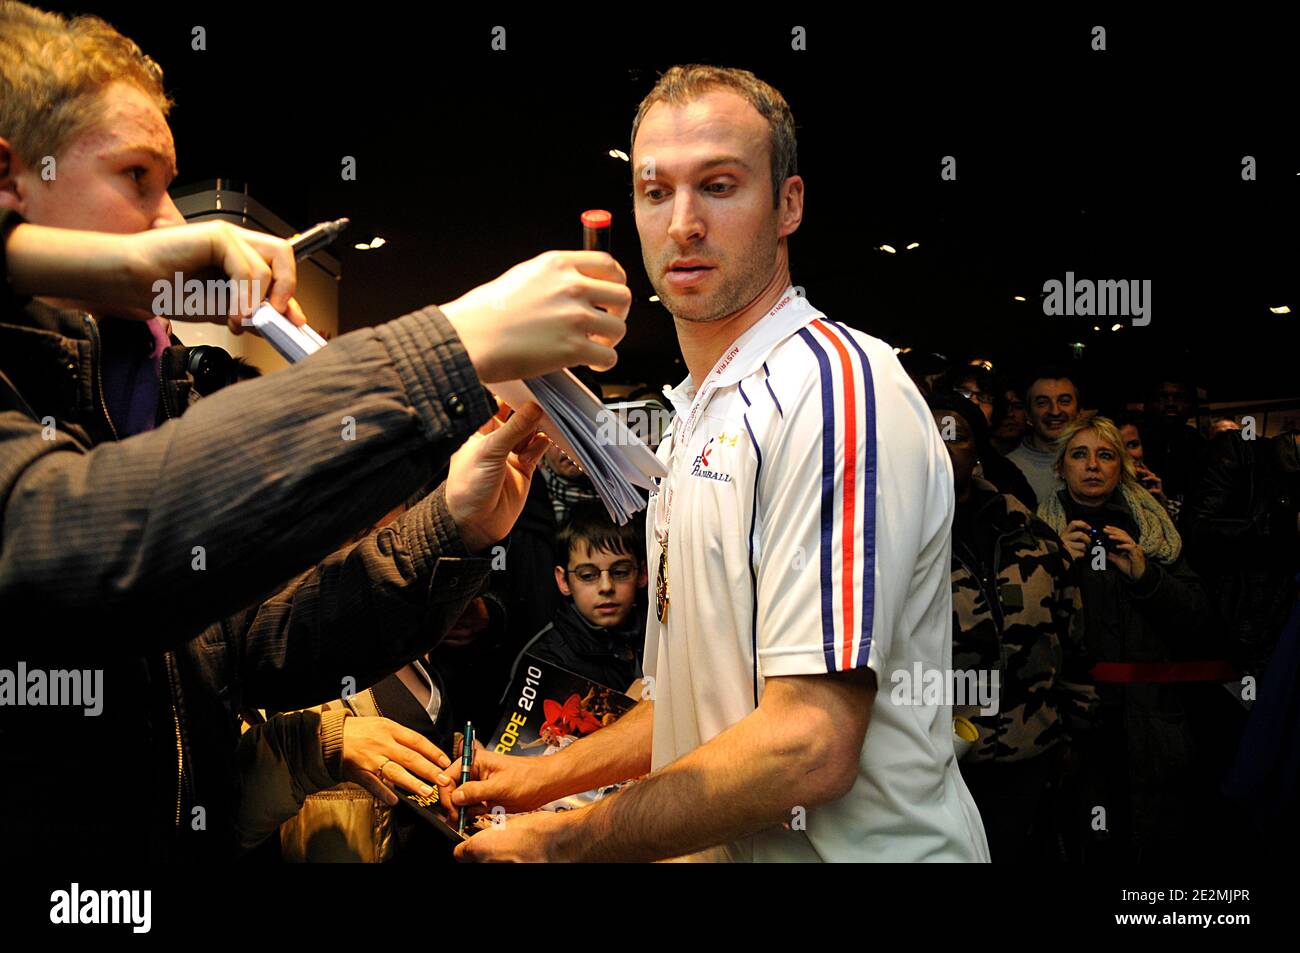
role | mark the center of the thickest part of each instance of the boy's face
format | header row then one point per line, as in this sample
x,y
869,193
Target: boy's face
x,y
603,585
113,177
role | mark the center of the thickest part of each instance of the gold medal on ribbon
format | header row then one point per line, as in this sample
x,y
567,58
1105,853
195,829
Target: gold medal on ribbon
x,y
661,585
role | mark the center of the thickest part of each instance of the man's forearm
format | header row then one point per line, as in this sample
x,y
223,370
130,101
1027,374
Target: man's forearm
x,y
613,754
66,262
361,613
174,528
745,780
800,747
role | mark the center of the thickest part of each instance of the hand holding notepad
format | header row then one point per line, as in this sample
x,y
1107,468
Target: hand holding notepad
x,y
534,293
593,436
575,420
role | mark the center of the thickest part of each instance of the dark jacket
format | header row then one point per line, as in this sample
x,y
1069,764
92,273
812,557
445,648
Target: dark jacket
x,y
522,599
528,583
610,657
1016,612
1240,527
1142,752
1265,777
1007,477
198,565
1159,618
1174,451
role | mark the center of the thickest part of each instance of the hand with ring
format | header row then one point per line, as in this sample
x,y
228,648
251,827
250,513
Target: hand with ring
x,y
381,756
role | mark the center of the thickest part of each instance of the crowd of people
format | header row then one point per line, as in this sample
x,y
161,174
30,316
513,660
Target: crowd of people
x,y
1121,571
296,588
1115,596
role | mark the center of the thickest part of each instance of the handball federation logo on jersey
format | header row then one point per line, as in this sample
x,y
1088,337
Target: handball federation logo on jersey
x,y
707,464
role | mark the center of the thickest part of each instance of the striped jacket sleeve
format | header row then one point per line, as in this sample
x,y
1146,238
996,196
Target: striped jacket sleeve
x,y
257,478
836,544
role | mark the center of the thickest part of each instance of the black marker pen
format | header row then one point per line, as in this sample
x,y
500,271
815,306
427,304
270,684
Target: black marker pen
x,y
317,237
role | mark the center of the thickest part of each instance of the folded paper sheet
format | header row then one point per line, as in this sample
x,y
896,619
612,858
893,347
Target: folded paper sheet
x,y
595,437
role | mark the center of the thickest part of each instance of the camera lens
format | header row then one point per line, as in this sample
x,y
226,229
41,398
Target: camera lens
x,y
211,367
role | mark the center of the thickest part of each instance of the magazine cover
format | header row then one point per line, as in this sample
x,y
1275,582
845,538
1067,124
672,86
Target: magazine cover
x,y
551,708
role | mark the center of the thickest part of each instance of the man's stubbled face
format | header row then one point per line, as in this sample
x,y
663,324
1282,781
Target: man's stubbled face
x,y
703,200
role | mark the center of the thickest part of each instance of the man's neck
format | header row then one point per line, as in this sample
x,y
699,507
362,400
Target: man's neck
x,y
1036,443
704,343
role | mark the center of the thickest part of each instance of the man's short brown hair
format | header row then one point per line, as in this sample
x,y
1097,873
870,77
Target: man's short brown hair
x,y
589,523
52,71
682,84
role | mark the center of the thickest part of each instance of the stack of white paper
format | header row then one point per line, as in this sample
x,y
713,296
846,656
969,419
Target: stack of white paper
x,y
293,343
579,424
593,436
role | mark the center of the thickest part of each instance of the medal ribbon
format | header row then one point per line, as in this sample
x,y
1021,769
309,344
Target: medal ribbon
x,y
682,438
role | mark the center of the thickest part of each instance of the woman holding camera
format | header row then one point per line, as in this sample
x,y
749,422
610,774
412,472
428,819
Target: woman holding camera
x,y
1143,607
1016,613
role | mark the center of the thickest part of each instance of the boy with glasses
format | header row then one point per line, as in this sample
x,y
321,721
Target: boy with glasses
x,y
599,631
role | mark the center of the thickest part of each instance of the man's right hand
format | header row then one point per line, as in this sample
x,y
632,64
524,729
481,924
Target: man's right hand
x,y
517,784
544,315
263,261
115,274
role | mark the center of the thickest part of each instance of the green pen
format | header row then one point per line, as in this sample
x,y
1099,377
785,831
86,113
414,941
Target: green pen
x,y
466,762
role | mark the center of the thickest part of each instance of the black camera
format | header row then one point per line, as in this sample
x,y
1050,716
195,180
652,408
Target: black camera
x,y
211,367
1097,537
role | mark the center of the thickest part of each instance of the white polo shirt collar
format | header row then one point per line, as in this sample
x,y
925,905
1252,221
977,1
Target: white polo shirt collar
x,y
748,352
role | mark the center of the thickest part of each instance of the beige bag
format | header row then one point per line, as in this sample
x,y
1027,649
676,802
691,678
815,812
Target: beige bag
x,y
344,824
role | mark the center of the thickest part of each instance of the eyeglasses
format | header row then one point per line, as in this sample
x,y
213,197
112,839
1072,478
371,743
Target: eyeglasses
x,y
978,396
589,575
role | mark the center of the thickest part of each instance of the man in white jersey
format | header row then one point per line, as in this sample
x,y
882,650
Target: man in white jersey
x,y
799,547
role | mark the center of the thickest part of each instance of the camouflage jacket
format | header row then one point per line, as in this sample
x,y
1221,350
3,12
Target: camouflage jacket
x,y
1021,618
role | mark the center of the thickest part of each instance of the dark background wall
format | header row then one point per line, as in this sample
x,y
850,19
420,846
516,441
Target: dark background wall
x,y
1117,164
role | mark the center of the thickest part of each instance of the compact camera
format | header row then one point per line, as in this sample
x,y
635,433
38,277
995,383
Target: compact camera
x,y
1097,537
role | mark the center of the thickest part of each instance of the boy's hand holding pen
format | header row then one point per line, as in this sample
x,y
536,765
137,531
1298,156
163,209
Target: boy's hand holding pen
x,y
294,339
